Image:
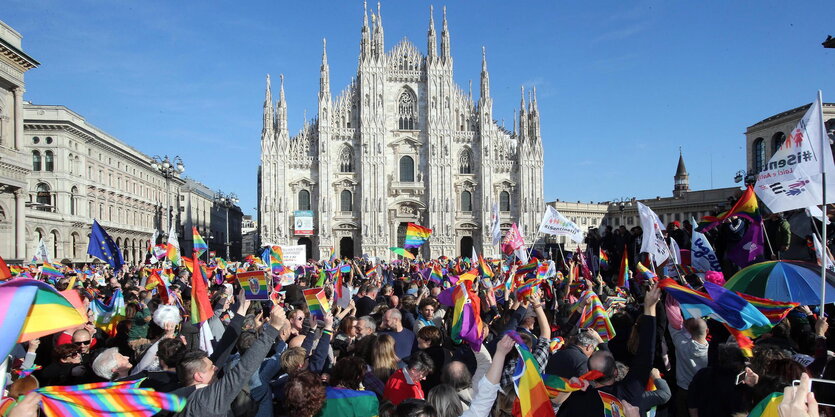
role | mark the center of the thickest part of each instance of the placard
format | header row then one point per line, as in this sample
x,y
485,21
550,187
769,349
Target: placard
x,y
254,284
303,222
294,255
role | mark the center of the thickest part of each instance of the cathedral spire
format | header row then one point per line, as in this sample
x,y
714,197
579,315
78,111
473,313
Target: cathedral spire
x,y
324,74
269,117
523,117
281,108
445,49
485,77
534,105
471,91
431,41
682,179
378,34
522,102
365,41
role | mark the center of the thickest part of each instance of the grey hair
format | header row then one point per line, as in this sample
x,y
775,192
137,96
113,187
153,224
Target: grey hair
x,y
395,314
585,339
104,364
444,398
369,323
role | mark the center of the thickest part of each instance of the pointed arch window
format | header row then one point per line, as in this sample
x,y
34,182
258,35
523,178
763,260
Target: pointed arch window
x,y
504,201
304,200
346,160
406,111
466,201
49,163
407,169
346,200
36,160
465,162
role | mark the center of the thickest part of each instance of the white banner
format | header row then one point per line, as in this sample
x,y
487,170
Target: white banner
x,y
702,256
554,223
41,252
653,240
303,222
294,255
793,176
496,229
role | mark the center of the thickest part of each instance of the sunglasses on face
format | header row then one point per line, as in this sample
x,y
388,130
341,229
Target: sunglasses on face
x,y
82,343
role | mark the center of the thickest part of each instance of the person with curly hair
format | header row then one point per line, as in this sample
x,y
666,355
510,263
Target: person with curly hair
x,y
305,395
344,397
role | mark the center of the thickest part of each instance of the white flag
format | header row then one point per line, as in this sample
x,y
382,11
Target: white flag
x,y
819,250
521,254
496,229
702,256
41,252
172,238
475,254
793,176
554,223
653,240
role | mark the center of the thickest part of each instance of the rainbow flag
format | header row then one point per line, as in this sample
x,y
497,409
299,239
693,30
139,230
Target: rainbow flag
x,y
485,269
436,275
155,281
623,272
604,260
254,284
5,272
768,406
556,384
556,344
317,302
31,309
333,256
743,339
646,273
530,267
612,406
200,245
470,276
201,308
466,315
774,311
416,235
746,207
172,253
49,270
106,400
594,316
345,268
274,257
527,288
719,303
402,252
534,400
341,402
107,316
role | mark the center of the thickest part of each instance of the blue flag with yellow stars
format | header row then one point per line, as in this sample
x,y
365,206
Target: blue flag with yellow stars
x,y
103,247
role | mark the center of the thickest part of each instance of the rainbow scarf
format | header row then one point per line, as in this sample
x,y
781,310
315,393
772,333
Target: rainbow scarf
x,y
200,245
416,235
746,207
107,399
534,400
595,316
317,302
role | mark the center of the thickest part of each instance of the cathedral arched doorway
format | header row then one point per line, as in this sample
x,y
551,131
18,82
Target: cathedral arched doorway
x,y
308,247
346,247
467,246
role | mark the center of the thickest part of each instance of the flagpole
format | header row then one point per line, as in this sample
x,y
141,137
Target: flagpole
x,y
824,142
768,241
536,237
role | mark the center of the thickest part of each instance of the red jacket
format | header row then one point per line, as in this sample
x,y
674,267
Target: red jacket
x,y
400,386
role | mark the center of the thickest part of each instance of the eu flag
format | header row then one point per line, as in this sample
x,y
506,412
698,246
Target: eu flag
x,y
103,247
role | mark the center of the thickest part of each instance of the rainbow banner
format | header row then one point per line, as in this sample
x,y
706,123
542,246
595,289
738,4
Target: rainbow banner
x,y
199,245
254,284
317,302
416,235
107,399
746,207
31,309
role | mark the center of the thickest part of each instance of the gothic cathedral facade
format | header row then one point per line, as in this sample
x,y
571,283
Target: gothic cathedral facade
x,y
402,143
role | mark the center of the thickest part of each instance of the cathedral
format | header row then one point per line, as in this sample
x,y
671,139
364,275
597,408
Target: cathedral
x,y
401,143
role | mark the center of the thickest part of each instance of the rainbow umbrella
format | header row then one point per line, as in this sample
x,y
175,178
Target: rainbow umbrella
x,y
403,252
792,281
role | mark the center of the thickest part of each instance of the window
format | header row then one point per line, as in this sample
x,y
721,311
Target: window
x,y
49,164
36,140
43,197
759,155
777,141
36,160
74,243
466,201
407,169
55,243
345,201
73,202
465,162
48,140
406,111
504,201
304,200
346,160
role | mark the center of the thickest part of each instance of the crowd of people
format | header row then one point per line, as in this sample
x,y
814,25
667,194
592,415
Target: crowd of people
x,y
392,349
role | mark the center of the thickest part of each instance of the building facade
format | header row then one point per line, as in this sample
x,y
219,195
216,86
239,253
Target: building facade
x,y
402,143
14,161
80,173
764,138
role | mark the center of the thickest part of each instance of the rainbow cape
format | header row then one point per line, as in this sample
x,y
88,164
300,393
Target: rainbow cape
x,y
416,235
107,399
31,309
317,302
746,207
532,393
199,245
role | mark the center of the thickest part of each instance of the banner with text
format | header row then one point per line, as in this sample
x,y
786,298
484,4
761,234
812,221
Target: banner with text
x,y
303,221
554,223
294,255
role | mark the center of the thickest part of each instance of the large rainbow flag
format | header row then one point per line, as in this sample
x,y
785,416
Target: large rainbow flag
x,y
201,308
534,400
107,399
30,309
416,235
595,316
746,207
466,315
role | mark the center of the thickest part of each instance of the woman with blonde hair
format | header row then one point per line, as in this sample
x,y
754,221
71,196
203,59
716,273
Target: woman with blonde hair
x,y
383,359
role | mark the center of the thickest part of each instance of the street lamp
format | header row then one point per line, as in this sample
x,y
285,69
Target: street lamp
x,y
742,175
168,170
227,201
622,203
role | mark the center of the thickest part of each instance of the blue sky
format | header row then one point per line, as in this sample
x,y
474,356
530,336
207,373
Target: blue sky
x,y
621,85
